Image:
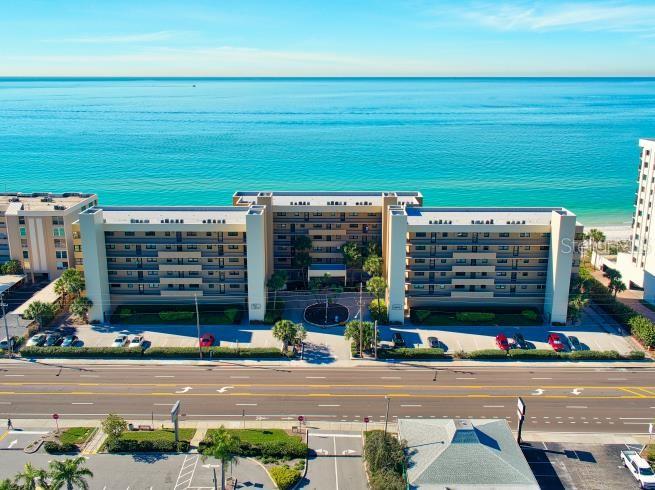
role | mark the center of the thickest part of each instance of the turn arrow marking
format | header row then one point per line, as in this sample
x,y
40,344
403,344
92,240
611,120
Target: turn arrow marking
x,y
13,443
224,389
538,392
184,390
577,391
348,451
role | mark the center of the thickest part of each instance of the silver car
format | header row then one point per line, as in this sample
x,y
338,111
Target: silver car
x,y
120,341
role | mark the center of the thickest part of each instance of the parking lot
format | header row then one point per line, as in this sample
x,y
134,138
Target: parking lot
x,y
19,439
579,466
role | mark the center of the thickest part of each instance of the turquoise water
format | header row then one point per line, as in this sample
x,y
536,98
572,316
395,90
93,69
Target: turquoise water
x,y
564,142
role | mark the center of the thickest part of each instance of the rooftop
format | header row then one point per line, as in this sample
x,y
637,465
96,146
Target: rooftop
x,y
7,281
472,216
330,198
468,453
173,214
42,201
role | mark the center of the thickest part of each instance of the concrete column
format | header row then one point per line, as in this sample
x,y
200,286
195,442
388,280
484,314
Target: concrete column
x,y
397,253
266,199
256,241
95,263
388,199
558,281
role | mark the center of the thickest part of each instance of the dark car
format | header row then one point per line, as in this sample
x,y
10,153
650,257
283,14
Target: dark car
x,y
52,339
398,340
433,342
574,343
519,341
501,342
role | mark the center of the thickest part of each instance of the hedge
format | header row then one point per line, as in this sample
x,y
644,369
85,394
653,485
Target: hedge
x,y
474,316
52,447
273,315
174,316
145,446
276,450
533,354
385,460
284,477
545,354
486,354
408,353
153,352
58,351
213,352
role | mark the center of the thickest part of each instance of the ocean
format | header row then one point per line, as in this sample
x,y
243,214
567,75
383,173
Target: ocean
x,y
460,141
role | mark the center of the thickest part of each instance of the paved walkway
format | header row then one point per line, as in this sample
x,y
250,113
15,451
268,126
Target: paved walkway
x,y
630,297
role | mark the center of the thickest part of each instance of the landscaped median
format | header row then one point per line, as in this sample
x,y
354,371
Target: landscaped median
x,y
405,353
69,441
150,441
153,352
550,355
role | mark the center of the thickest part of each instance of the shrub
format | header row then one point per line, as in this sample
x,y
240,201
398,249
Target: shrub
x,y
406,353
530,314
52,447
636,355
421,315
643,329
145,446
176,316
383,454
387,480
124,313
232,314
284,477
213,352
474,316
605,355
533,354
288,449
487,354
86,352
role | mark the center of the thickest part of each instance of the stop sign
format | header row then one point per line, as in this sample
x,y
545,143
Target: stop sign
x,y
366,419
55,416
300,418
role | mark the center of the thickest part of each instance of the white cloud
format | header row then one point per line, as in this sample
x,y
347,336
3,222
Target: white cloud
x,y
538,16
146,37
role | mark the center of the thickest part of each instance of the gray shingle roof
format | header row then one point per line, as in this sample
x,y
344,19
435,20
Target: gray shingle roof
x,y
460,454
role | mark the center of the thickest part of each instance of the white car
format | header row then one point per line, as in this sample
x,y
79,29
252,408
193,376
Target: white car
x,y
120,341
37,340
639,468
137,341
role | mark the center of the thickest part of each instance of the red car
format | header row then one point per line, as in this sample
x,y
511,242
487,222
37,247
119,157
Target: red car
x,y
501,341
555,342
207,340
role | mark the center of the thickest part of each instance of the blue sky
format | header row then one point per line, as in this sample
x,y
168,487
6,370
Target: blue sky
x,y
327,38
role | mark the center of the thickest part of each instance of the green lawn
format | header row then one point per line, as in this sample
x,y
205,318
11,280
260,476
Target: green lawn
x,y
259,436
149,314
154,435
75,435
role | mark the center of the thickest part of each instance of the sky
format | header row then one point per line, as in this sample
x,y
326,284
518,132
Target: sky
x,y
327,38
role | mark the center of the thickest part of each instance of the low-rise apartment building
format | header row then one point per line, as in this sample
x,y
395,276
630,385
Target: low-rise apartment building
x,y
36,230
433,257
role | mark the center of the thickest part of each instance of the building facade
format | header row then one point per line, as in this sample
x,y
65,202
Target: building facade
x,y
36,230
432,257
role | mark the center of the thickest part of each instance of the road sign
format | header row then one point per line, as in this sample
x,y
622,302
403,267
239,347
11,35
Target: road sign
x,y
520,406
55,416
300,418
650,428
175,411
366,420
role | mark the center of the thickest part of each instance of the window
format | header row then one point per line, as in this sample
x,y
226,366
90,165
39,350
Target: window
x,y
232,233
151,247
127,247
460,261
153,286
115,285
77,248
543,247
234,286
420,247
502,261
233,260
61,254
500,286
129,233
462,247
419,286
420,234
543,261
192,261
58,231
526,247
152,273
501,274
151,259
503,235
419,261
526,261
233,247
317,213
445,234
524,274
443,261
23,231
129,273
419,274
485,235
444,247
57,220
26,254
191,233
462,234
150,233
352,225
503,247
525,235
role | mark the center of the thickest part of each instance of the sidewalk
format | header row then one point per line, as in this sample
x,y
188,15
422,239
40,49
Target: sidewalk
x,y
630,298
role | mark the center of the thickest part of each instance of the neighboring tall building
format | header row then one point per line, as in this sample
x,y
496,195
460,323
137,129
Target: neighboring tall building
x,y
442,257
637,266
36,230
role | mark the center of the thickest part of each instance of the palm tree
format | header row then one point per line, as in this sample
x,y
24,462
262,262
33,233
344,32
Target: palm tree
x,y
70,473
301,258
377,286
288,333
31,478
352,256
80,306
223,446
70,283
373,265
577,303
616,285
277,282
41,312
7,484
595,236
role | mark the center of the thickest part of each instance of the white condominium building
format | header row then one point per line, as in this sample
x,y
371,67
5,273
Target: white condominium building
x,y
439,257
637,266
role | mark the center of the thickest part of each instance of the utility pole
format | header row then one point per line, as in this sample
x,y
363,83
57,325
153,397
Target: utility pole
x,y
375,339
361,324
386,417
195,298
4,316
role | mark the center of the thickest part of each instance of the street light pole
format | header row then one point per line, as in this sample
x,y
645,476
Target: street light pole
x,y
375,337
195,298
361,325
386,417
4,316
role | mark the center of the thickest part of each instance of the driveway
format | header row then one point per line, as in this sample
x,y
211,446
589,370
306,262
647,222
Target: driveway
x,y
336,462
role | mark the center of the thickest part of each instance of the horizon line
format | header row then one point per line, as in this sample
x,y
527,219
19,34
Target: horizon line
x,y
349,77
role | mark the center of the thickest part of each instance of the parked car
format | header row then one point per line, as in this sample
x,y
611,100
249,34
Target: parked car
x,y
52,339
137,341
398,340
433,342
501,342
4,343
555,342
640,469
37,340
69,341
574,343
207,340
519,341
120,341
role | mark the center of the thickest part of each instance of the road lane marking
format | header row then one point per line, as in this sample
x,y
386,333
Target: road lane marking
x,y
493,406
352,436
411,405
14,375
390,377
542,378
466,378
82,403
336,468
164,404
246,404
617,379
329,405
164,376
89,376
240,377
314,377
5,403
576,406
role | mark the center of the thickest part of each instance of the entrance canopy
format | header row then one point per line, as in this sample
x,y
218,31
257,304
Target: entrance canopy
x,y
333,270
9,281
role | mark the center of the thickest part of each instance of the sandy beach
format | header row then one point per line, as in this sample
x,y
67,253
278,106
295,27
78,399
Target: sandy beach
x,y
614,233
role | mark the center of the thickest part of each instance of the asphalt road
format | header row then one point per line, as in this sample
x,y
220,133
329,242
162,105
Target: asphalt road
x,y
571,399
